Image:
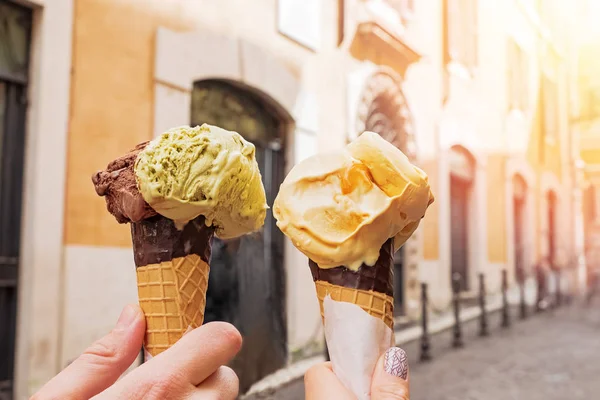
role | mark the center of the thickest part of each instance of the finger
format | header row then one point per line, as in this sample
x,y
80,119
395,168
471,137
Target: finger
x,y
390,379
223,384
103,362
199,353
321,383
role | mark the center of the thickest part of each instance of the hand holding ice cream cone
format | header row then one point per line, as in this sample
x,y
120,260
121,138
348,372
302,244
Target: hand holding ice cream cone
x,y
177,191
348,212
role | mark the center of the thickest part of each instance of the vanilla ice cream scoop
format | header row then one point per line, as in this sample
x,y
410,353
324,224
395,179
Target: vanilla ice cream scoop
x,y
340,208
205,170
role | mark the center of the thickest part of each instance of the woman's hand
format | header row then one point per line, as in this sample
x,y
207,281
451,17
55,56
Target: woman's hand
x,y
390,380
194,368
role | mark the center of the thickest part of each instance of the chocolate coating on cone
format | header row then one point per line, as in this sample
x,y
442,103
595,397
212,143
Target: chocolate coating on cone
x,y
379,277
156,239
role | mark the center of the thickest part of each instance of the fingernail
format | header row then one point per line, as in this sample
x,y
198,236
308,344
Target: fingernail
x,y
127,317
395,362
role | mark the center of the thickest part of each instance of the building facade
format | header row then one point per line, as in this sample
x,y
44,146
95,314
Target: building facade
x,y
587,128
474,92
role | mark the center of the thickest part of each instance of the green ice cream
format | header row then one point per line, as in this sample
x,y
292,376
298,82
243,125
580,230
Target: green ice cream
x,y
205,170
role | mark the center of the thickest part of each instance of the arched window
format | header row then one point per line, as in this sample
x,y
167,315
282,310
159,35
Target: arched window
x,y
386,112
247,282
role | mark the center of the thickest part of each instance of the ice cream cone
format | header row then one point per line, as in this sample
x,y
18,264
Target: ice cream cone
x,y
173,296
168,189
376,304
172,274
370,288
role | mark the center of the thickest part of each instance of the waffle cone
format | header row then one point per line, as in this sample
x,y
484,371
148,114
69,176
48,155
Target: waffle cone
x,y
173,296
375,303
370,287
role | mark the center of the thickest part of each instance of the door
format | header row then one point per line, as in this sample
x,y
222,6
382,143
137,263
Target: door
x,y
15,28
519,206
246,282
552,230
399,293
459,234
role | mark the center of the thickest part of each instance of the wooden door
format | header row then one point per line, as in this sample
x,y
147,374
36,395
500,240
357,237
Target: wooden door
x,y
247,282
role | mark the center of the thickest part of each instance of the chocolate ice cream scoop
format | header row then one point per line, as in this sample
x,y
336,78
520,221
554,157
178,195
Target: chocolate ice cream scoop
x,y
118,185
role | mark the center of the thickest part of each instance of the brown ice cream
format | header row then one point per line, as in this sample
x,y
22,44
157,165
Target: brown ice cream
x,y
119,187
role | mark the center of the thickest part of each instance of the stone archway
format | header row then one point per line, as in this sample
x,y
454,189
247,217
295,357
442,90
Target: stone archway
x,y
247,278
383,109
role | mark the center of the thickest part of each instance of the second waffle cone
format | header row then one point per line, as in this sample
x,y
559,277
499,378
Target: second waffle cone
x,y
376,304
172,295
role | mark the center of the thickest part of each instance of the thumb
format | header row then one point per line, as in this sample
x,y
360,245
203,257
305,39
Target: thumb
x,y
102,363
390,379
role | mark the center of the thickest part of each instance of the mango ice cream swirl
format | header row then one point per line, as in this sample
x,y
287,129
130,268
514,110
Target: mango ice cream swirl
x,y
340,208
205,170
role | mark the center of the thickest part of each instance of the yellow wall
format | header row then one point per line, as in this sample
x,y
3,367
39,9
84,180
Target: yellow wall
x,y
553,159
111,103
496,206
430,223
591,156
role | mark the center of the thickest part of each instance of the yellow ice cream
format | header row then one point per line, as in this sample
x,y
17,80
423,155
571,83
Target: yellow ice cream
x,y
340,208
205,170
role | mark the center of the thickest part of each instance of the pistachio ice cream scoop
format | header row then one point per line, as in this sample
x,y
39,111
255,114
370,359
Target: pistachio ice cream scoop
x,y
206,171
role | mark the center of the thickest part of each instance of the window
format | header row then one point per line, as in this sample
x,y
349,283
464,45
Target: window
x,y
518,74
15,27
591,203
589,99
341,20
461,28
15,31
549,108
404,7
300,20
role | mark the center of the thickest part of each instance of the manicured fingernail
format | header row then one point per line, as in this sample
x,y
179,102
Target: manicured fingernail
x,y
127,317
395,362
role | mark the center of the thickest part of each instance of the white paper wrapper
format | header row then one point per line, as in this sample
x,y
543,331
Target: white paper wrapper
x,y
355,340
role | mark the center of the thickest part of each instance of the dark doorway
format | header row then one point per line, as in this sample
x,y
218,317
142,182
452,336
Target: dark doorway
x,y
462,175
399,292
247,282
519,199
15,33
551,198
459,234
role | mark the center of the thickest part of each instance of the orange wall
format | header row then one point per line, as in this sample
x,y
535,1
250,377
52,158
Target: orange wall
x,y
111,103
431,249
496,206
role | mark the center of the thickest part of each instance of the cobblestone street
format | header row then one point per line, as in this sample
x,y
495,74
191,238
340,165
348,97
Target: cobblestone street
x,y
552,356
